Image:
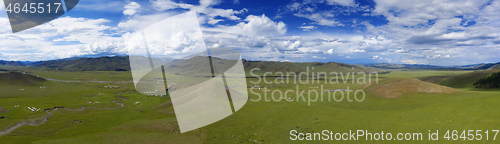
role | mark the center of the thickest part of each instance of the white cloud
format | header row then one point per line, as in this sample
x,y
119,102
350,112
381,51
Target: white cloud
x,y
316,57
2,6
417,32
358,51
427,31
438,56
286,45
163,5
341,2
413,13
213,21
410,62
330,51
311,10
205,7
131,8
83,30
209,2
138,22
307,28
44,42
262,25
101,47
320,19
4,25
401,51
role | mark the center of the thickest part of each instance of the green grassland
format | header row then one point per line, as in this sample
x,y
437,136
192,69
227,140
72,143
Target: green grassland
x,y
461,81
154,121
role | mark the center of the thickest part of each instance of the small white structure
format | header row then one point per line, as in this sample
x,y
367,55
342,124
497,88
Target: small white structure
x,y
90,102
33,109
137,103
96,102
21,89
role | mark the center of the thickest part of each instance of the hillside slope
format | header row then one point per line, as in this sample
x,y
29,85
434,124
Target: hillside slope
x,y
88,64
397,87
489,66
10,63
272,66
16,78
461,81
196,65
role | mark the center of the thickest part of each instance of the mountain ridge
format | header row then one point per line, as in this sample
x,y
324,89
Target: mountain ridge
x,y
121,63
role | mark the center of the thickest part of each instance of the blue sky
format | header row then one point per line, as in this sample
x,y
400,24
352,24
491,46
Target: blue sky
x,y
437,32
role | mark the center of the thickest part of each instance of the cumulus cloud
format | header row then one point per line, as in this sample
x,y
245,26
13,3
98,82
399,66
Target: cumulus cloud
x,y
426,31
44,42
330,51
262,25
83,30
131,8
412,13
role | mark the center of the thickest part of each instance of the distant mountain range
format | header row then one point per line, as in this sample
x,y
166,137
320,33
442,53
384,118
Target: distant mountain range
x,y
11,63
121,63
481,66
117,63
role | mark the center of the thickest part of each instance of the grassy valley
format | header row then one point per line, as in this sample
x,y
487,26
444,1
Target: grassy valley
x,y
101,106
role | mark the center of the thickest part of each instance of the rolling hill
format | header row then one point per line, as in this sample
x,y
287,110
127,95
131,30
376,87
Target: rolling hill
x,y
397,87
489,66
10,63
272,66
16,78
461,81
117,63
195,65
482,66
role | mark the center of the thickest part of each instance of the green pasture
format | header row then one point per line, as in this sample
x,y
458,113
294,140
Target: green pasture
x,y
154,121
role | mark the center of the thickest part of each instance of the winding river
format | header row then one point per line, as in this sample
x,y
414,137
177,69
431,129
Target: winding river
x,y
40,121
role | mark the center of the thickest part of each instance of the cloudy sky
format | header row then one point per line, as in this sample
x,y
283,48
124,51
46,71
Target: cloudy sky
x,y
437,32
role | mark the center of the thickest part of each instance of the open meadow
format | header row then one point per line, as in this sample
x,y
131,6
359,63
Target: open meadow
x,y
102,107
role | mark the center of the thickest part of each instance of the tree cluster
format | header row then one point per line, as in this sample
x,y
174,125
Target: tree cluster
x,y
492,81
